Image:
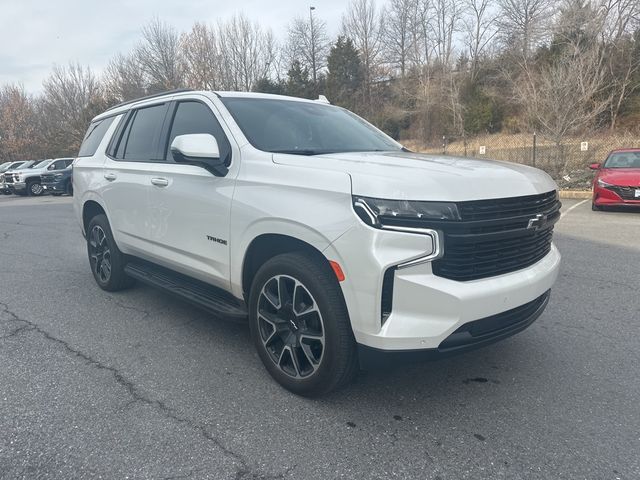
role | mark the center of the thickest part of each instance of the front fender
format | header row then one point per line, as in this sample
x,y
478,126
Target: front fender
x,y
277,226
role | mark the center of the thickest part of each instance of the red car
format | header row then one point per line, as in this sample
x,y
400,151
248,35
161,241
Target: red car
x,y
617,181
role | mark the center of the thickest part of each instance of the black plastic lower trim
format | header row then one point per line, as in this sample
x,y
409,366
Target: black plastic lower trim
x,y
469,336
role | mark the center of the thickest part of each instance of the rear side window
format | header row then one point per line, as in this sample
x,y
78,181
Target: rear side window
x,y
196,117
94,136
140,138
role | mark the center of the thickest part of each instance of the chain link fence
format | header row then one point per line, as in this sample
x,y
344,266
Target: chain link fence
x,y
567,162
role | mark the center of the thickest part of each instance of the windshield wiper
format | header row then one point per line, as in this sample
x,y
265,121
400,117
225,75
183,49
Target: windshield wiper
x,y
300,151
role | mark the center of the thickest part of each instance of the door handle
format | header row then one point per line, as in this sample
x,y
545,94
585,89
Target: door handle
x,y
110,176
160,182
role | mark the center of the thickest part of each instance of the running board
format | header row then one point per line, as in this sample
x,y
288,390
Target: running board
x,y
203,295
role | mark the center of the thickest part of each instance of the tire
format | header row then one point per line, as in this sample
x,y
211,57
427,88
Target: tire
x,y
34,189
293,353
106,261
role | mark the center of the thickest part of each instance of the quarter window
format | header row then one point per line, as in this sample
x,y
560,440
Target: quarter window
x,y
196,117
94,136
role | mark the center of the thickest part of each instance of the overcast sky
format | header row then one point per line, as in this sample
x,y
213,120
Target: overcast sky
x,y
35,34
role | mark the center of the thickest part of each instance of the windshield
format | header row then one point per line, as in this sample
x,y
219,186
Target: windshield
x,y
40,164
303,128
623,160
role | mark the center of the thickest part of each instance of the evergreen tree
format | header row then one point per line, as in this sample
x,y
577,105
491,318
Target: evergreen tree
x,y
298,82
345,76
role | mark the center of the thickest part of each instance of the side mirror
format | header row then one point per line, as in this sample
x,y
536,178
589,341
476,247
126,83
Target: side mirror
x,y
594,166
199,149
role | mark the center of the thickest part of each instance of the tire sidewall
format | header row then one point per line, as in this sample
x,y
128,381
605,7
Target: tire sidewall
x,y
117,260
331,315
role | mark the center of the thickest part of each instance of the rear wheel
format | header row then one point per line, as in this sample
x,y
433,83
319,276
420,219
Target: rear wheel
x,y
107,262
300,325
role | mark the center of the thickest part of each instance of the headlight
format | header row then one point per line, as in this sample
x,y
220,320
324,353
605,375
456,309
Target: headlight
x,y
374,211
604,184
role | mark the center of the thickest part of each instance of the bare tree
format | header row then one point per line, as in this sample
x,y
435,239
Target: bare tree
x,y
72,96
20,139
522,22
480,25
566,96
447,15
363,24
160,57
248,52
124,79
309,44
620,19
202,57
400,33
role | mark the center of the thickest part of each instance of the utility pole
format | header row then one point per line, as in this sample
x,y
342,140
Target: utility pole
x,y
313,45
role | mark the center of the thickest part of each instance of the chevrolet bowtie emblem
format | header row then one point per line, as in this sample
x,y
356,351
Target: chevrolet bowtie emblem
x,y
537,222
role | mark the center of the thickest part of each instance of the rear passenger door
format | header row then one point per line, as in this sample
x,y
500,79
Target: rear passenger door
x,y
131,157
189,206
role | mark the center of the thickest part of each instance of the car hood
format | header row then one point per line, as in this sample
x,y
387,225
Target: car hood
x,y
625,177
28,170
405,175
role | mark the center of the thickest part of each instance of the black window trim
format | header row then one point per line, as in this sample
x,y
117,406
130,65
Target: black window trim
x,y
173,108
118,135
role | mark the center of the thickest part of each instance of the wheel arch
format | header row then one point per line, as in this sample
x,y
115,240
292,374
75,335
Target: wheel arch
x,y
90,209
268,245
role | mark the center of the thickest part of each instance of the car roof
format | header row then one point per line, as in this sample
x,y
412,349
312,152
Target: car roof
x,y
619,150
126,106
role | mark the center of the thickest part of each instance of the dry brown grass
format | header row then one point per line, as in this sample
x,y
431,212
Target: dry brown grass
x,y
567,163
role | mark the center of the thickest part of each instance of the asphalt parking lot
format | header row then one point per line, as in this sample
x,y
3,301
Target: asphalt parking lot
x,y
139,385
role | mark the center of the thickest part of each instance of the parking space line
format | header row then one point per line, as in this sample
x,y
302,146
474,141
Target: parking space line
x,y
573,206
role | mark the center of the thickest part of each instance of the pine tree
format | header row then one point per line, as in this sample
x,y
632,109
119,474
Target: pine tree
x,y
345,76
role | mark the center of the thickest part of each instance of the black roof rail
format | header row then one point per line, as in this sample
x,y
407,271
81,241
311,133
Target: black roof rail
x,y
168,92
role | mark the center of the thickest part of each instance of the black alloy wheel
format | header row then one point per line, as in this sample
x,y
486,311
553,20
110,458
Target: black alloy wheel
x,y
291,326
99,255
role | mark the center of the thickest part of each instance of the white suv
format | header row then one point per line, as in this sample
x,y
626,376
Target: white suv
x,y
339,245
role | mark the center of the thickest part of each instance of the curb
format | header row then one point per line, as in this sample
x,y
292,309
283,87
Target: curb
x,y
575,193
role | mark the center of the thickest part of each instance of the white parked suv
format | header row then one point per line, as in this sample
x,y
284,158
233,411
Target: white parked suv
x,y
338,244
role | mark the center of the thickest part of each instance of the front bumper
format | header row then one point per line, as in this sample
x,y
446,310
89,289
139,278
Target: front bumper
x,y
603,197
469,336
426,309
19,186
54,187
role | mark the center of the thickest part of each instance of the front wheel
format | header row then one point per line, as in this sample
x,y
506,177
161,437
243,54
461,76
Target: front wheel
x,y
106,260
300,324
34,188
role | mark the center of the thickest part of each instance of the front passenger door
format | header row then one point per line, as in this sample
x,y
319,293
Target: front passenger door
x,y
189,206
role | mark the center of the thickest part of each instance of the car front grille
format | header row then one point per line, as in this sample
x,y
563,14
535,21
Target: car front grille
x,y
494,237
626,193
497,236
8,178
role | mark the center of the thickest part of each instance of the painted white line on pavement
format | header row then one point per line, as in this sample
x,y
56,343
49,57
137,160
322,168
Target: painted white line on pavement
x,y
573,206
